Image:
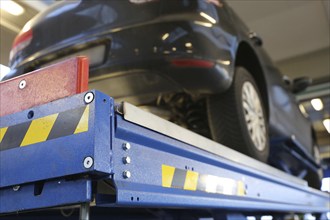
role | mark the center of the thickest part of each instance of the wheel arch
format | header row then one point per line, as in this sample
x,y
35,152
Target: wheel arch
x,y
247,58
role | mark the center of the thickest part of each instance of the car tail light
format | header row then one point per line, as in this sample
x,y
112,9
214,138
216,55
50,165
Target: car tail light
x,y
21,41
192,63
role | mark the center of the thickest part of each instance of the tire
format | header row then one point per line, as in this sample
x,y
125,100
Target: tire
x,y
314,178
230,114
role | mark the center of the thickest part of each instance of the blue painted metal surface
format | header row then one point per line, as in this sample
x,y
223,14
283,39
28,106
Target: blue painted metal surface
x,y
62,156
50,161
54,193
326,172
149,150
57,165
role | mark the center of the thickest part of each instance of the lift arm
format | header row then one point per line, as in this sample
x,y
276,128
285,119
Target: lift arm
x,y
86,149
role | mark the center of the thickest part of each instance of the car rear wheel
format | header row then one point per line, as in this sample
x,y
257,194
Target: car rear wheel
x,y
314,177
237,118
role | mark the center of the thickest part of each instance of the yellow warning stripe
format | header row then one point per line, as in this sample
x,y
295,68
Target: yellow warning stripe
x,y
240,188
39,130
167,175
83,123
190,180
2,133
50,127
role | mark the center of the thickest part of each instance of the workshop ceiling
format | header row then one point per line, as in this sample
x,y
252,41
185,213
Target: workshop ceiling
x,y
289,28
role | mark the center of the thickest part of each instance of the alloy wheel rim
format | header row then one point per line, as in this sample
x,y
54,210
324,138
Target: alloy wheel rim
x,y
254,116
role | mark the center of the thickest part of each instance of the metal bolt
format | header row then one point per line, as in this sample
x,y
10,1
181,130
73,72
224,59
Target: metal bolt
x,y
89,97
22,84
126,160
126,146
88,162
126,174
16,188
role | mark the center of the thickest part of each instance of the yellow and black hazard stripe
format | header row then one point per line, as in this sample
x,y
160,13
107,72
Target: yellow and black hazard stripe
x,y
46,128
190,180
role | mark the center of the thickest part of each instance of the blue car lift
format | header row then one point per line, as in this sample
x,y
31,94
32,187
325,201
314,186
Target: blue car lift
x,y
87,151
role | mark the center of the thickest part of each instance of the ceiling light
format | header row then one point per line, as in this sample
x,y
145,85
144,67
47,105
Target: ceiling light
x,y
27,27
4,70
267,217
208,17
303,110
309,216
326,123
188,44
165,36
326,184
205,24
224,62
12,7
317,104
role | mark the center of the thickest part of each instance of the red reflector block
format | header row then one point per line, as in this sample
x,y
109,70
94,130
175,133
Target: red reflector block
x,y
192,63
44,85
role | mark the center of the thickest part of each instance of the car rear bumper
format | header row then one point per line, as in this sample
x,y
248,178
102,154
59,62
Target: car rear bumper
x,y
157,49
152,49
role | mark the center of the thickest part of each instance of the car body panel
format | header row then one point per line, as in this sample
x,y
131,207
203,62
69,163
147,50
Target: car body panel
x,y
143,41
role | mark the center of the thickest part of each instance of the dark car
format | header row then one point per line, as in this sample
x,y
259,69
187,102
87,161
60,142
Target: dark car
x,y
192,62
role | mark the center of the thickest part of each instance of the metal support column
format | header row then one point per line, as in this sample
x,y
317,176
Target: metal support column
x,y
84,211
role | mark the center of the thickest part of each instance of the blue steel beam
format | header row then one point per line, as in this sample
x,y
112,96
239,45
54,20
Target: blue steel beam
x,y
52,172
62,155
53,193
155,171
150,151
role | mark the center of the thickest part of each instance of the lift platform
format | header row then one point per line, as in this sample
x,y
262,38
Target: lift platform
x,y
84,150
